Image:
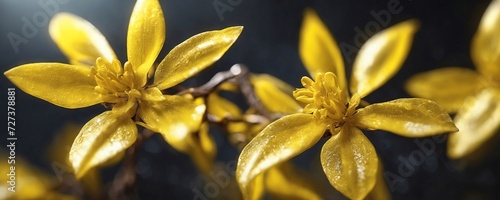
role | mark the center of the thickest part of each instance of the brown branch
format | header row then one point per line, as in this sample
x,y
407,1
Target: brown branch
x,y
248,92
211,85
123,185
239,74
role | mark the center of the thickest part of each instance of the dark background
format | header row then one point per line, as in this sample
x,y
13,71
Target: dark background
x,y
268,44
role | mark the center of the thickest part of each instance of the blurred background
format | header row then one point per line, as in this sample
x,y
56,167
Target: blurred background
x,y
268,44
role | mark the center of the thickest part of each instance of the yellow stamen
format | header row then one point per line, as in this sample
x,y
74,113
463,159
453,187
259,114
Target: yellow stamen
x,y
326,100
114,83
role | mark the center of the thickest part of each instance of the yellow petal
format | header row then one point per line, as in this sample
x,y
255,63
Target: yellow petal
x,y
228,86
269,92
59,155
485,44
381,57
350,162
146,35
202,149
279,141
79,40
175,118
318,49
102,138
30,182
447,86
68,86
284,181
61,144
256,188
411,117
380,190
194,55
478,121
152,94
220,108
279,84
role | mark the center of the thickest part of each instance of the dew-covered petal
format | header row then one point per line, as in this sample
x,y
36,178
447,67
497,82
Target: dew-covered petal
x,y
280,141
350,162
381,57
101,139
146,35
68,86
194,55
408,117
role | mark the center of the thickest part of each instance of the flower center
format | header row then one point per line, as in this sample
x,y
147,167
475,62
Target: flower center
x,y
114,83
326,100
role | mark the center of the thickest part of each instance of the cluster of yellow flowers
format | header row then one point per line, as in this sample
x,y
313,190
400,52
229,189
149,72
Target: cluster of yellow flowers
x,y
328,106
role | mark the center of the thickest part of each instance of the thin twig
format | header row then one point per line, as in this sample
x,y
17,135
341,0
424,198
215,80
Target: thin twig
x,y
248,91
211,85
123,185
240,75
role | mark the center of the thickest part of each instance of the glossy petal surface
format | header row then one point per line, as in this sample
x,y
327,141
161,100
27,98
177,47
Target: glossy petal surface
x,y
146,35
79,40
175,118
194,55
478,121
350,162
449,86
485,47
278,142
381,57
64,85
412,117
318,49
102,138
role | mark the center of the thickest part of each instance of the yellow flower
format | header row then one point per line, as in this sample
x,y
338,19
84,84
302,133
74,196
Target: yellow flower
x,y
348,158
282,181
475,97
125,88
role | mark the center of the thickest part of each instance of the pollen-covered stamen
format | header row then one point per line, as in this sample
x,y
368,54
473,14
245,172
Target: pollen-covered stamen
x,y
324,98
114,83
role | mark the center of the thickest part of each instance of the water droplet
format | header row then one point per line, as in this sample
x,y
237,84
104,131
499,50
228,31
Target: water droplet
x,y
78,140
